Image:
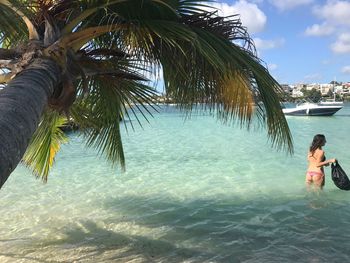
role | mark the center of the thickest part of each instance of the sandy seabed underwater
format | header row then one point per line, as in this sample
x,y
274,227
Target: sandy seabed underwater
x,y
194,190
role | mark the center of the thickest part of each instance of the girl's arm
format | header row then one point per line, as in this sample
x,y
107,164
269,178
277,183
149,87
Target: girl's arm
x,y
320,163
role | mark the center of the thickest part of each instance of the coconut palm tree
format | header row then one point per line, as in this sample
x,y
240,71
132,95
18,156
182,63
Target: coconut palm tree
x,y
88,60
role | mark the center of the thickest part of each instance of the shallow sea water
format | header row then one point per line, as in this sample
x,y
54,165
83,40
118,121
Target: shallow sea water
x,y
194,191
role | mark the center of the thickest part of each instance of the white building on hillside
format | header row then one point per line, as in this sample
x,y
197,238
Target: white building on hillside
x,y
315,86
296,93
324,88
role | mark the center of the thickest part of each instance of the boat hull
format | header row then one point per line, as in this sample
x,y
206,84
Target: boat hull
x,y
312,111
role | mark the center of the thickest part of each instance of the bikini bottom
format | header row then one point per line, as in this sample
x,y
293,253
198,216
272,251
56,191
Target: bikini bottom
x,y
312,173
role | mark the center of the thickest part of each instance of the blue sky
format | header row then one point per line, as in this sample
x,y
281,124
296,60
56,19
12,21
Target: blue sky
x,y
300,40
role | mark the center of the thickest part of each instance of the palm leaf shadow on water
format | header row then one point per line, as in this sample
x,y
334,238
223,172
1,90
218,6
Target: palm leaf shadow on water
x,y
205,230
261,230
110,245
93,243
280,229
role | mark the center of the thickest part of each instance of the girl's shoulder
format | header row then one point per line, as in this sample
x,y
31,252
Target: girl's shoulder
x,y
319,152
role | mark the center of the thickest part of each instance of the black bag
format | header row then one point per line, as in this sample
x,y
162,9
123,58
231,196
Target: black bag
x,y
339,177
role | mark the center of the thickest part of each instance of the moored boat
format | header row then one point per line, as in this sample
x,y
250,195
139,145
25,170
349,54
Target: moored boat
x,y
312,109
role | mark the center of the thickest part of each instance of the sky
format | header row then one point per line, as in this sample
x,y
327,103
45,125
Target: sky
x,y
300,41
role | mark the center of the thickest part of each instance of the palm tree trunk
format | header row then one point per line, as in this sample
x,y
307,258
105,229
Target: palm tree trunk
x,y
22,103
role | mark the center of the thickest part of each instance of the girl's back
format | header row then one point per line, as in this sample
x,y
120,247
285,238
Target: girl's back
x,y
315,159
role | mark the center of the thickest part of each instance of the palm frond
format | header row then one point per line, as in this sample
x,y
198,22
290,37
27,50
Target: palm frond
x,y
189,7
16,8
111,99
88,11
125,68
98,116
45,144
199,72
12,30
78,39
236,99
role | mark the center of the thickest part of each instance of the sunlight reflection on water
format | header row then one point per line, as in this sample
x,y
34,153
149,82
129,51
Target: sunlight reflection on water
x,y
194,191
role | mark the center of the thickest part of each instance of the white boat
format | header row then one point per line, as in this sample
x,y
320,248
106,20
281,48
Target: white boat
x,y
312,109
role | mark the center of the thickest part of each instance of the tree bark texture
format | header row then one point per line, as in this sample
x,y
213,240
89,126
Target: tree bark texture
x,y
22,103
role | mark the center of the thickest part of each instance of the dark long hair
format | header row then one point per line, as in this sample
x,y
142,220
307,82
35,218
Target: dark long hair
x,y
318,141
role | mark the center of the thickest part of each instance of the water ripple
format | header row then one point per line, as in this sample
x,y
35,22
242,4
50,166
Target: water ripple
x,y
194,191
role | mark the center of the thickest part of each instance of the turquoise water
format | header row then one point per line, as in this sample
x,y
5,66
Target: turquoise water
x,y
194,191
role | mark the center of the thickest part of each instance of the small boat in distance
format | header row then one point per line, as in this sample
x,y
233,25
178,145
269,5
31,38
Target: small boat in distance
x,y
312,109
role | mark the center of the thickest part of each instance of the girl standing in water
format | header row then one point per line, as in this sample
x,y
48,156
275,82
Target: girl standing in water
x,y
317,159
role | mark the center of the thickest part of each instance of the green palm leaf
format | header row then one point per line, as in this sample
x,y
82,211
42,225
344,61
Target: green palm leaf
x,y
206,60
45,143
99,115
12,30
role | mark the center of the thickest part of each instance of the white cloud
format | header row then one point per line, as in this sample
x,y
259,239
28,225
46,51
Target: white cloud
x,y
346,70
319,30
342,45
251,16
289,4
335,15
268,44
334,12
